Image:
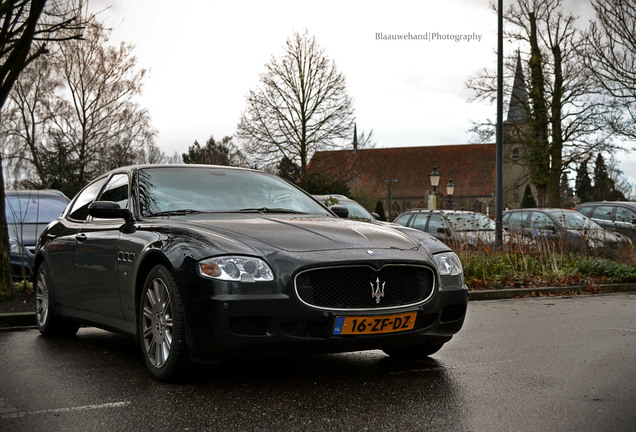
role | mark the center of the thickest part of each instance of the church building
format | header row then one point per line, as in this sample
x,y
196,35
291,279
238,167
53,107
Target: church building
x,y
403,174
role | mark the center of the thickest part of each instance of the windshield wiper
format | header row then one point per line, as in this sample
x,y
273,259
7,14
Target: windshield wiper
x,y
180,212
269,210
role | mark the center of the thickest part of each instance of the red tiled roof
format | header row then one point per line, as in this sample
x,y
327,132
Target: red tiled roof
x,y
471,166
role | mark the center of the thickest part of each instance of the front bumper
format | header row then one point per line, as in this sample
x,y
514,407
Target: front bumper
x,y
231,324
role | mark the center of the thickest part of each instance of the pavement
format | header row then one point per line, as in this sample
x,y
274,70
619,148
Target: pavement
x,y
27,319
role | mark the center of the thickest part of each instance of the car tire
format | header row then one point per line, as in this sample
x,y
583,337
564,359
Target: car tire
x,y
161,326
48,323
415,352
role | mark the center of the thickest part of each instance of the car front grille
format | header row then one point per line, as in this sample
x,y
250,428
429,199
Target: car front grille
x,y
363,287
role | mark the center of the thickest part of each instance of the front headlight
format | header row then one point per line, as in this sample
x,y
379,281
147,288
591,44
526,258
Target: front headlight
x,y
448,264
235,268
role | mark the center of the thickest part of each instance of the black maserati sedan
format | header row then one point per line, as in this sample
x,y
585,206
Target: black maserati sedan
x,y
201,263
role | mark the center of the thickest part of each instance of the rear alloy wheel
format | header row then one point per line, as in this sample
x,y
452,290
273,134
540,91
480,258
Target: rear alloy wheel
x,y
48,323
161,326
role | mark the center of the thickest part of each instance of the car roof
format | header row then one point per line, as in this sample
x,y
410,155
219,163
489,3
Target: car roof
x,y
422,210
540,209
133,168
337,196
623,203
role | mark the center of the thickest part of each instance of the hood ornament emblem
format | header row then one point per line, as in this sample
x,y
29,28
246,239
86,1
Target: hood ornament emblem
x,y
370,252
377,290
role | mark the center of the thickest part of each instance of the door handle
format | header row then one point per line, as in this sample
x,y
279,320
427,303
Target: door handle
x,y
80,237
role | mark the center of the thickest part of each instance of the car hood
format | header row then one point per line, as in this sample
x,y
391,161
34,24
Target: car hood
x,y
305,234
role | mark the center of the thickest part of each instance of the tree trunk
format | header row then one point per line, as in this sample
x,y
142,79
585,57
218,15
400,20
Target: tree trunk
x,y
556,150
5,255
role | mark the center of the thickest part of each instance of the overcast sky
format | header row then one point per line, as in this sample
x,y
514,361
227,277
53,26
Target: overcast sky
x,y
205,55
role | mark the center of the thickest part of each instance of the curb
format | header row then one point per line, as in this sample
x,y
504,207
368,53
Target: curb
x,y
501,294
27,319
18,319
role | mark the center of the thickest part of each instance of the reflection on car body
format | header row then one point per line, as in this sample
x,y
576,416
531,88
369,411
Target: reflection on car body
x,y
206,262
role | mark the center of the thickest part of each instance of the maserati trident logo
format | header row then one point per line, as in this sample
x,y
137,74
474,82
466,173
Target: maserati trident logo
x,y
377,290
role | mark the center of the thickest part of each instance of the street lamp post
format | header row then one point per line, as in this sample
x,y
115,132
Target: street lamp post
x,y
390,182
434,177
450,190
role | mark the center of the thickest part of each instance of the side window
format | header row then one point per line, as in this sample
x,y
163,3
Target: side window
x,y
403,219
436,221
419,222
540,221
603,212
79,211
585,210
517,219
623,214
116,190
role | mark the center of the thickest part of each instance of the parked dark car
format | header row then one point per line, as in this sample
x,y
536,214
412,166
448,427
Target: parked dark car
x,y
354,208
28,212
563,227
454,227
619,216
205,262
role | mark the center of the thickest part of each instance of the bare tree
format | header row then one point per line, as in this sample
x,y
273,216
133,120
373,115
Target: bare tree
x,y
102,123
611,59
301,106
26,29
565,116
26,121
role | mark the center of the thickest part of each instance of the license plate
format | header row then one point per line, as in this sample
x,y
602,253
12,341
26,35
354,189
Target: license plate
x,y
358,325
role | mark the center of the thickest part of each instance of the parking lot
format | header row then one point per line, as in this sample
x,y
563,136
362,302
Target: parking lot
x,y
560,363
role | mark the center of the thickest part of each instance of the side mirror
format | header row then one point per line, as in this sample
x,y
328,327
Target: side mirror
x,y
109,210
375,216
340,211
551,227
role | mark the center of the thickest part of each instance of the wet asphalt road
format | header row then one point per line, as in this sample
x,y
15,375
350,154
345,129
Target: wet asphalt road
x,y
547,364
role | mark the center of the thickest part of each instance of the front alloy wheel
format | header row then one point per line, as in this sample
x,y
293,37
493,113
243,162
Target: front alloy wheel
x,y
161,325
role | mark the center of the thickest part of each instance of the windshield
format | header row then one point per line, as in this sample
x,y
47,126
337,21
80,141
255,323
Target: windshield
x,y
33,208
470,222
575,220
188,190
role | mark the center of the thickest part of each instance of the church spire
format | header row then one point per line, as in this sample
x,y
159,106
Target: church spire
x,y
518,98
355,138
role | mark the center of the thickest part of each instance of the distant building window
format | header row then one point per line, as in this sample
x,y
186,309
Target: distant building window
x,y
515,154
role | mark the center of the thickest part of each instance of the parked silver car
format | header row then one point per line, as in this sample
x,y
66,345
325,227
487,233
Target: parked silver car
x,y
566,228
356,211
28,212
619,216
454,227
